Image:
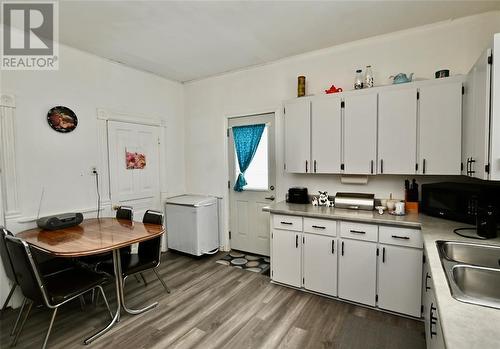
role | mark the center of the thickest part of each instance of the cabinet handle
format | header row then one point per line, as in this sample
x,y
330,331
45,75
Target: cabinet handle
x,y
433,320
357,232
314,166
423,166
333,246
427,277
287,223
307,166
400,237
371,167
296,241
318,227
381,165
383,254
342,248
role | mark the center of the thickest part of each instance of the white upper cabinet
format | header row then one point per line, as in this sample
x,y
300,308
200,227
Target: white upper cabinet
x,y
476,119
326,134
440,129
298,136
397,131
360,133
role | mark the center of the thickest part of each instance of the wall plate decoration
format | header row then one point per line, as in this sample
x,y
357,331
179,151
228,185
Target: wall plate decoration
x,y
62,119
135,160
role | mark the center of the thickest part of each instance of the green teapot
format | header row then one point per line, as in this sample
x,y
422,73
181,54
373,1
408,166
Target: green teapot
x,y
401,78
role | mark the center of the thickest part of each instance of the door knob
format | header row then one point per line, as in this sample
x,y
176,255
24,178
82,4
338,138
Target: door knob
x,y
270,198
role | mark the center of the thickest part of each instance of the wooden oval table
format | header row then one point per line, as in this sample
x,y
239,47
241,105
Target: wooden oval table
x,y
91,237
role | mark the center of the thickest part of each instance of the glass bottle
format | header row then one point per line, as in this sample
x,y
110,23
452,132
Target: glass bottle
x,y
358,82
368,81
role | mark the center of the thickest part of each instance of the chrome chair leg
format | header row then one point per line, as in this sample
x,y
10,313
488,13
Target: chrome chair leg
x,y
14,342
18,316
50,328
12,289
161,280
133,311
105,301
143,279
82,303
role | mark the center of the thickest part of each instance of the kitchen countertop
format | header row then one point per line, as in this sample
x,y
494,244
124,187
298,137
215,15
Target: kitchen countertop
x,y
463,325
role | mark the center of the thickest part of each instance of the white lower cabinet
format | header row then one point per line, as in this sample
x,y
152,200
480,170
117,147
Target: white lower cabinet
x,y
286,256
433,333
358,271
400,279
320,263
375,265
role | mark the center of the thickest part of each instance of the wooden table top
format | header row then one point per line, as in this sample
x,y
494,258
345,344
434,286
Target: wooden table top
x,y
92,236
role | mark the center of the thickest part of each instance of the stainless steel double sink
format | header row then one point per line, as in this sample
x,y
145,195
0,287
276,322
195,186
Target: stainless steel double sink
x,y
473,271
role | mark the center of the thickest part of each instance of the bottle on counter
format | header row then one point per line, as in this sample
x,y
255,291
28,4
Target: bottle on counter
x,y
358,82
368,81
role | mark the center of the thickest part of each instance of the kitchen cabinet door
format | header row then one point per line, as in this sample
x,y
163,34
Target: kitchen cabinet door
x,y
286,257
397,131
440,129
400,279
326,134
320,264
360,133
357,271
298,136
476,119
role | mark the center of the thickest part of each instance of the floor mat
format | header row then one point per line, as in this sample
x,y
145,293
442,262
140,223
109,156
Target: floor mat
x,y
246,261
374,335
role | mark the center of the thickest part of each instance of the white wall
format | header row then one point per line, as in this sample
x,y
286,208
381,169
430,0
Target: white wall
x,y
61,162
454,45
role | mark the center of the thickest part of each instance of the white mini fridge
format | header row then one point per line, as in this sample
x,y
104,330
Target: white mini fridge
x,y
192,224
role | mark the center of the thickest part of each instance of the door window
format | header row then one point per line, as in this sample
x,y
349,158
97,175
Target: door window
x,y
256,175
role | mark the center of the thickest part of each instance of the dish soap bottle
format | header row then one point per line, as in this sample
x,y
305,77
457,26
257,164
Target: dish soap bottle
x,y
368,77
358,82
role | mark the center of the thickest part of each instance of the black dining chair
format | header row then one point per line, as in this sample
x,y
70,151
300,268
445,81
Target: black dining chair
x,y
148,256
47,267
52,290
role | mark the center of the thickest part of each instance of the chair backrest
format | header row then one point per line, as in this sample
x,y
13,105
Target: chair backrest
x,y
27,273
153,217
125,212
150,250
4,254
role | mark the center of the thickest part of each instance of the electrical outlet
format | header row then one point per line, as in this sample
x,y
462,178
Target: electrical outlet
x,y
93,170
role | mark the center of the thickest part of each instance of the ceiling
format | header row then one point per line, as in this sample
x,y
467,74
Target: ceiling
x,y
189,40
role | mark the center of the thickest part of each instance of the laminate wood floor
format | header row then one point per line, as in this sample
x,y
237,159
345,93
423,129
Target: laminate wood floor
x,y
216,306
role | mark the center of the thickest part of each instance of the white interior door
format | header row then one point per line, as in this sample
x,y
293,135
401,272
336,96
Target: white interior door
x,y
138,186
249,225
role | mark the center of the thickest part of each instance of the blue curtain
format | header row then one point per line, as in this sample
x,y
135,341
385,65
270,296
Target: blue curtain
x,y
246,141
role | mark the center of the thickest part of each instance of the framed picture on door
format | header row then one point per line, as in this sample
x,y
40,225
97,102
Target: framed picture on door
x,y
134,160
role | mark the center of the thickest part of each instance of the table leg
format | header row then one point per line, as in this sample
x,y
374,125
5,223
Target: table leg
x,y
118,284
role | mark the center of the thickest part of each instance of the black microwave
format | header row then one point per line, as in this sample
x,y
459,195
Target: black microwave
x,y
458,201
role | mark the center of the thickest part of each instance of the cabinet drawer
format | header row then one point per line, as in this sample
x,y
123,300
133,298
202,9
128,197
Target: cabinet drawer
x,y
287,222
400,236
320,226
359,231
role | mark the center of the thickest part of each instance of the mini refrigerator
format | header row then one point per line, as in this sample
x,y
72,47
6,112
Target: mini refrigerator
x,y
192,224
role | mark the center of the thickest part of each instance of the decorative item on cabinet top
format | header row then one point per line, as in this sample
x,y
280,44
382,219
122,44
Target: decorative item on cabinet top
x,y
401,78
301,86
333,89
